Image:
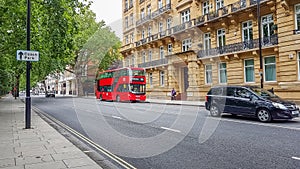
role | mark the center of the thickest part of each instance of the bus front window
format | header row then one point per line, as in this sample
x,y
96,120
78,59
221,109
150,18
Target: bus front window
x,y
137,88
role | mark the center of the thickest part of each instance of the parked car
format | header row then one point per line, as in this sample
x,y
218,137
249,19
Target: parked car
x,y
249,101
50,94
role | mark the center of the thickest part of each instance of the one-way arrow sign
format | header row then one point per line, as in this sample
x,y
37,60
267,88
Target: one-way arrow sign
x,y
27,55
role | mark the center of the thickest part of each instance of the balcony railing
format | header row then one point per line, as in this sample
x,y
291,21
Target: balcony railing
x,y
252,2
236,47
212,16
154,63
238,5
200,20
143,20
182,27
161,10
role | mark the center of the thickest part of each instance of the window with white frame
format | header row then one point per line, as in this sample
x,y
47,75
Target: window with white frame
x,y
126,40
222,73
267,23
150,79
160,27
160,4
169,23
143,34
143,57
126,4
298,65
149,31
142,13
126,22
83,70
186,44
270,68
170,48
132,37
297,16
219,4
150,55
161,52
149,10
221,37
168,2
130,3
162,78
207,41
249,70
131,19
247,29
132,60
208,74
205,7
185,16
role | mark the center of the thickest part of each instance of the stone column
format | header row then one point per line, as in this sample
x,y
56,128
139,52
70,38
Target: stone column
x,y
193,92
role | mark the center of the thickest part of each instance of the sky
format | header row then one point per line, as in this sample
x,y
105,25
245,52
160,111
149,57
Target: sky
x,y
111,12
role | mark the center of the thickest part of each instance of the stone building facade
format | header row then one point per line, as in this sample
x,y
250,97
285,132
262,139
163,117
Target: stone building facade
x,y
191,45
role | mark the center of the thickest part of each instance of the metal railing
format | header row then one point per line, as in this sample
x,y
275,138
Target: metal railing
x,y
182,27
238,5
144,19
161,10
154,63
236,47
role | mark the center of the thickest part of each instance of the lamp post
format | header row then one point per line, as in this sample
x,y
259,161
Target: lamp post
x,y
28,99
260,46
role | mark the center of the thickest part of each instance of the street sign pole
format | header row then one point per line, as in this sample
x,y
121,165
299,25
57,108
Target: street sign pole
x,y
28,98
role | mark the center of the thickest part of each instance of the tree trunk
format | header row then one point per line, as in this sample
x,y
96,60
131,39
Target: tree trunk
x,y
79,86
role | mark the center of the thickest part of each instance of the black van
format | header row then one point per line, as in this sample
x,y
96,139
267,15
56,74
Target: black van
x,y
249,101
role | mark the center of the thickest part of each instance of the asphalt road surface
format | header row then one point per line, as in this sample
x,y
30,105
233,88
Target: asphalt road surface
x,y
159,136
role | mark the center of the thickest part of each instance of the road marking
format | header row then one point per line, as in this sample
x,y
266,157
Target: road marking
x,y
117,117
260,124
166,128
87,151
296,158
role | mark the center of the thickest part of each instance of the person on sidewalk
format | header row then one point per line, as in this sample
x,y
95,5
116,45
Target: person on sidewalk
x,y
173,94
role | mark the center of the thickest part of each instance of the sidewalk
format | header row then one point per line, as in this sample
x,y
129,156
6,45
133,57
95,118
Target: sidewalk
x,y
41,147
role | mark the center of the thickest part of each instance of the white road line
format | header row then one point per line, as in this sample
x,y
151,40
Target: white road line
x,y
117,117
256,123
296,158
166,128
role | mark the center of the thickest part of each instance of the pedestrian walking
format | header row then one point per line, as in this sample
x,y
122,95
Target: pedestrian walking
x,y
173,94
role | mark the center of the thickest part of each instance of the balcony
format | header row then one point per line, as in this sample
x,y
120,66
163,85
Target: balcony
x,y
253,2
238,5
199,21
239,47
161,10
182,27
143,20
154,63
212,16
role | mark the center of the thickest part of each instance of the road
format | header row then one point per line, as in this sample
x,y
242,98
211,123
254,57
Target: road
x,y
159,136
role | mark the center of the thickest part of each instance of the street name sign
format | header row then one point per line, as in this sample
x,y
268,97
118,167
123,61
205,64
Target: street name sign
x,y
27,55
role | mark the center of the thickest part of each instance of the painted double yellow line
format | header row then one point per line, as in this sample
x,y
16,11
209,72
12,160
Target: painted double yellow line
x,y
107,153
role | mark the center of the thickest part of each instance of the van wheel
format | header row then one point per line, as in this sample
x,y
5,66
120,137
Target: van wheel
x,y
214,111
118,98
264,115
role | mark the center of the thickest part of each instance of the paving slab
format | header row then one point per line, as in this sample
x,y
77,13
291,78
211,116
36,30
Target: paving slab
x,y
41,147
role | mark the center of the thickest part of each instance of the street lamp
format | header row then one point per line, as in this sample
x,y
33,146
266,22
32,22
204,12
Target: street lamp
x,y
260,46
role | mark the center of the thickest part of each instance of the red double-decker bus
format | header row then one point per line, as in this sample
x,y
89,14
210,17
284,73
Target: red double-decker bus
x,y
124,84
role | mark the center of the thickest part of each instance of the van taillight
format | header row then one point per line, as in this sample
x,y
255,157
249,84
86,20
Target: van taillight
x,y
206,98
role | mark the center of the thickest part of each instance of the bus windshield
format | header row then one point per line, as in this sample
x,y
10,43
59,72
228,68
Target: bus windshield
x,y
137,88
138,73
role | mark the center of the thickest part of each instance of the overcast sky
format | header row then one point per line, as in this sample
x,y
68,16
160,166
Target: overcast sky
x,y
111,12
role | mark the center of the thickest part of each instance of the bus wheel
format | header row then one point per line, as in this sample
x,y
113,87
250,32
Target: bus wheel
x,y
118,98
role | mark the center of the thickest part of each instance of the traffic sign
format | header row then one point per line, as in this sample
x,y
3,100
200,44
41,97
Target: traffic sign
x,y
27,55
